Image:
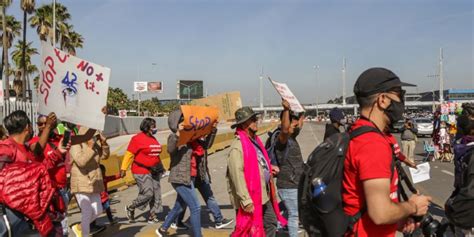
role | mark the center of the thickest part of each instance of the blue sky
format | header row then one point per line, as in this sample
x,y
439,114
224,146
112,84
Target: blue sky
x,y
226,43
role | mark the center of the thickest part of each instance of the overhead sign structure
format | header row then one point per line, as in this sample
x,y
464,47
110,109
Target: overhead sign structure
x,y
190,89
286,94
198,121
155,87
227,103
140,86
75,89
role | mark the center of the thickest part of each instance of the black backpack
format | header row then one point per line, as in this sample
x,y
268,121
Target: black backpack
x,y
325,213
459,207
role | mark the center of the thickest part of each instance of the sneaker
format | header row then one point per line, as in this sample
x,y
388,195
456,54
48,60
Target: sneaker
x,y
76,229
130,213
160,233
179,226
224,223
153,219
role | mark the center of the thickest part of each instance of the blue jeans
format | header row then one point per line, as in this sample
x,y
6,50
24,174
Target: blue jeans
x,y
290,198
204,188
186,197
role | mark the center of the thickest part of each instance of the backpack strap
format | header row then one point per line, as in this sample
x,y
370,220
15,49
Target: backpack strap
x,y
362,130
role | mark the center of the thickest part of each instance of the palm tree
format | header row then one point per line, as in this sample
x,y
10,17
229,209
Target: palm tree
x,y
12,30
4,4
21,57
42,20
70,40
28,6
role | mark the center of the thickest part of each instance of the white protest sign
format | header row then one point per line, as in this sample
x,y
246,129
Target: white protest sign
x,y
286,94
75,89
422,173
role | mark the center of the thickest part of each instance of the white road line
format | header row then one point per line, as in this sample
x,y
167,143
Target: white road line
x,y
447,172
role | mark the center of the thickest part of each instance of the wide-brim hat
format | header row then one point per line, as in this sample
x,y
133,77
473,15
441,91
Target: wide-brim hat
x,y
242,115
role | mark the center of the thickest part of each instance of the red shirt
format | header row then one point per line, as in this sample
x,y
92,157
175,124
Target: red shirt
x,y
369,156
58,173
146,150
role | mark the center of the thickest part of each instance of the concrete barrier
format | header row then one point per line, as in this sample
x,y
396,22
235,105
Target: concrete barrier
x,y
116,126
221,142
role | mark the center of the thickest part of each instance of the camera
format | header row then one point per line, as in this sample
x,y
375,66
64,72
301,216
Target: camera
x,y
431,227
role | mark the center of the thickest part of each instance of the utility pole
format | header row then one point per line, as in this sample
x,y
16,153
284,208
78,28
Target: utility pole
x,y
344,81
261,89
441,76
54,23
316,68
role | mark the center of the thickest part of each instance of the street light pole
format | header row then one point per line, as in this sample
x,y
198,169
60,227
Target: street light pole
x,y
316,68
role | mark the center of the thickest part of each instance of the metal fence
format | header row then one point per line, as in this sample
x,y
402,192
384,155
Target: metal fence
x,y
31,110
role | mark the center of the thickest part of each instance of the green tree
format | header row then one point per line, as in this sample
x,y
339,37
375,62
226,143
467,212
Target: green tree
x,y
28,6
21,58
10,28
42,20
117,100
70,40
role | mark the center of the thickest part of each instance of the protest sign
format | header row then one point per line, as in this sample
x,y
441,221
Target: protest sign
x,y
421,173
122,113
286,94
227,103
198,122
75,89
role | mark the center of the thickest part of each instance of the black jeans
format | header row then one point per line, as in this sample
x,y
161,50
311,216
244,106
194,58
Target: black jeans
x,y
269,220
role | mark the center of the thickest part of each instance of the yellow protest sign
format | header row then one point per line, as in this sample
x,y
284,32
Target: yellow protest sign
x,y
198,121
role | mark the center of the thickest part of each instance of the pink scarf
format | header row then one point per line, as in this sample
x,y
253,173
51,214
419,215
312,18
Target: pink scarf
x,y
251,224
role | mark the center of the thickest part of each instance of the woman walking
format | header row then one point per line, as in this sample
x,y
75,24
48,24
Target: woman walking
x,y
86,178
144,151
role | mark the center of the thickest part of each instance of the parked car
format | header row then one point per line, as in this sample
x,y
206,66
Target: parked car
x,y
397,126
424,126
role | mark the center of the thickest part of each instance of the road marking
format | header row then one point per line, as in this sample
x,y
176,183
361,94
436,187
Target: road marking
x,y
168,193
447,172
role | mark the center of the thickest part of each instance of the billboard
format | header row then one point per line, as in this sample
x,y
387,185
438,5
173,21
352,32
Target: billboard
x,y
155,87
140,86
190,89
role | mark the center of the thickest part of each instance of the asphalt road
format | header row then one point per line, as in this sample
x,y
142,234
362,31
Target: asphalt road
x,y
439,187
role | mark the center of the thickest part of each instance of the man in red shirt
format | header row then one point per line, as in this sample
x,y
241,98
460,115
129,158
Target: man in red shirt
x,y
370,183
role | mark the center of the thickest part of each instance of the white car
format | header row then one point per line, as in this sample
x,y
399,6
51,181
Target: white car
x,y
424,126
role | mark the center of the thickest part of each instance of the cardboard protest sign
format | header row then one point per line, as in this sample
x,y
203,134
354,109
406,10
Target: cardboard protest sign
x,y
75,89
286,94
227,103
198,122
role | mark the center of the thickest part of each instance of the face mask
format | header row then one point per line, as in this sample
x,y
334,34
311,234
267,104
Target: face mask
x,y
395,111
296,132
154,131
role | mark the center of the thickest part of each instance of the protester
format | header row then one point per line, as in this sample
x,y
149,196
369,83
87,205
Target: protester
x,y
26,186
290,164
202,182
461,202
104,196
369,181
249,180
408,137
144,151
182,177
86,179
337,120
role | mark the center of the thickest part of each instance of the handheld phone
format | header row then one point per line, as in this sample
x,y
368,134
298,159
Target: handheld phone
x,y
66,138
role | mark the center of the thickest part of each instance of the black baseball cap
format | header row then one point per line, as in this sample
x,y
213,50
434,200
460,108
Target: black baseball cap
x,y
377,80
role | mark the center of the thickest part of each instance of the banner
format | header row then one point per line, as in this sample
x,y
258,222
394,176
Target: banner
x,y
227,103
156,87
75,89
198,122
286,94
140,86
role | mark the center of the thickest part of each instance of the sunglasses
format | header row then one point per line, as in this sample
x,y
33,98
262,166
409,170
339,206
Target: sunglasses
x,y
40,123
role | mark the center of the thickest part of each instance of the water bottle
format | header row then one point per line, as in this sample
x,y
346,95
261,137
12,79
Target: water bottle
x,y
318,187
